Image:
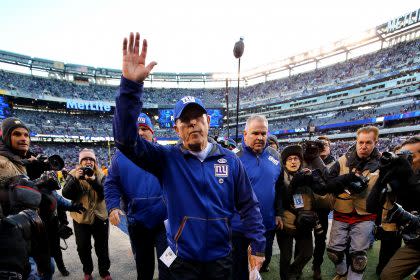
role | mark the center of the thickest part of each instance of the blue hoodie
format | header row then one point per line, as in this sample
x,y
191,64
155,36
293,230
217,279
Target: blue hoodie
x,y
263,171
140,191
201,196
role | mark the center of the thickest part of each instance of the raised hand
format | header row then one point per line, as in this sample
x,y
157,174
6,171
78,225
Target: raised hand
x,y
134,63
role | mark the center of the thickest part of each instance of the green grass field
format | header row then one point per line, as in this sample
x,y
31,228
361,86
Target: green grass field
x,y
327,267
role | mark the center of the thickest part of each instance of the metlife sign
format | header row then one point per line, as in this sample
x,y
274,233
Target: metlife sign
x,y
88,105
403,21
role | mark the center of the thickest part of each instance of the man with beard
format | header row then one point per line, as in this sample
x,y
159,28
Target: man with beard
x,y
14,147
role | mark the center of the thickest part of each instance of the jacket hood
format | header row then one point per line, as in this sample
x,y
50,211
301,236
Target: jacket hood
x,y
371,163
8,153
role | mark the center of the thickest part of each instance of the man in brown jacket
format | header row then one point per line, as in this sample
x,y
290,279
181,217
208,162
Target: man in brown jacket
x,y
84,185
351,220
14,146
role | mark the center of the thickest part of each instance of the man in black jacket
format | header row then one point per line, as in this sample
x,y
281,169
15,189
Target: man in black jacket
x,y
322,213
399,182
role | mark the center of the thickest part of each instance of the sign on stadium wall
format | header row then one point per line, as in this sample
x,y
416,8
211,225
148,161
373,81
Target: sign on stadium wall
x,y
88,105
403,21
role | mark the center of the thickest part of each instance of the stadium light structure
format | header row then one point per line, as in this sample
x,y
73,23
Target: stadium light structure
x,y
238,51
227,107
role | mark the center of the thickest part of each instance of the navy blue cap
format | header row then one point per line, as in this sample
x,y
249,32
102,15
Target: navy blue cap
x,y
184,102
144,120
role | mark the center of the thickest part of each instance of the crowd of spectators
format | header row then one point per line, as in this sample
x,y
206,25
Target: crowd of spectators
x,y
40,88
89,125
303,84
310,83
96,124
70,151
334,117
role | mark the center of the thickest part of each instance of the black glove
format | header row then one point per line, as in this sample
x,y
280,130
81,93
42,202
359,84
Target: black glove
x,y
77,207
357,184
348,182
48,180
301,179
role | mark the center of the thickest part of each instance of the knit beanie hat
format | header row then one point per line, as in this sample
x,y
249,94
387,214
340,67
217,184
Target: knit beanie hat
x,y
273,139
86,153
144,120
7,127
292,150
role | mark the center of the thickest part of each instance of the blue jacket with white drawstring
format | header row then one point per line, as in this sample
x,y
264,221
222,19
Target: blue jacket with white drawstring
x,y
201,196
263,171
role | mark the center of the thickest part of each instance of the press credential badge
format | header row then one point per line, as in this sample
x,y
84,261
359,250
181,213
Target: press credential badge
x,y
168,257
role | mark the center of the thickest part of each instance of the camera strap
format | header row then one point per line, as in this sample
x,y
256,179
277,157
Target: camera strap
x,y
65,245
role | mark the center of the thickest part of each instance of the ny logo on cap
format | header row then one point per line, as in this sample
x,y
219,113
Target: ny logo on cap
x,y
187,99
142,120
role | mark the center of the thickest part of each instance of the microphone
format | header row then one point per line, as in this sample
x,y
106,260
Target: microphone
x,y
238,50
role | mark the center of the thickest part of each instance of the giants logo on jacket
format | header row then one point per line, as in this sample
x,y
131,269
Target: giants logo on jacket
x,y
221,170
273,160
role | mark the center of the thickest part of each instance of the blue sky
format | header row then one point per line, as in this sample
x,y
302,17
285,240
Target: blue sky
x,y
185,36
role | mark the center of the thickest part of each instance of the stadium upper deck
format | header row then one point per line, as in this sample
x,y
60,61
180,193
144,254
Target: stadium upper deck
x,y
379,81
402,28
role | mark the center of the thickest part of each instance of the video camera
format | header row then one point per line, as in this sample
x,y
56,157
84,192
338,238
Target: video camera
x,y
41,164
308,220
389,158
312,149
408,223
28,221
16,233
395,169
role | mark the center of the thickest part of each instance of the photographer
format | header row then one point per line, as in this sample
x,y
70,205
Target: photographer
x,y
399,182
18,226
294,204
355,172
85,185
48,184
323,143
273,142
407,259
379,201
